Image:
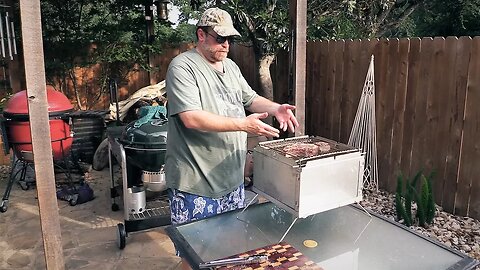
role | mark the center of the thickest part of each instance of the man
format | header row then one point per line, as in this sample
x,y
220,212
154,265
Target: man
x,y
207,132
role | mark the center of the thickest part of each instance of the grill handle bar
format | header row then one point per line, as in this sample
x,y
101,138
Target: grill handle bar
x,y
113,88
266,143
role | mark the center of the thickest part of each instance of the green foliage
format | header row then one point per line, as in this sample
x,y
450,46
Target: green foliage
x,y
420,199
110,34
338,27
442,18
424,200
430,203
448,18
408,203
400,202
266,23
71,29
166,35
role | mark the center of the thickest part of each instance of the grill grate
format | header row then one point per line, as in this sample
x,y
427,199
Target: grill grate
x,y
336,148
157,208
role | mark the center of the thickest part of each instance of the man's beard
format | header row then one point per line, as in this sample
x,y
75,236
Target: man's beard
x,y
217,55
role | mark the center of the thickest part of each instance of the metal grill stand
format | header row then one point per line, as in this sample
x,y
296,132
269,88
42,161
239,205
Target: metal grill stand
x,y
156,212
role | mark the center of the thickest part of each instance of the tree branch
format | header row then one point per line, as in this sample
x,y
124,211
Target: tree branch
x,y
400,19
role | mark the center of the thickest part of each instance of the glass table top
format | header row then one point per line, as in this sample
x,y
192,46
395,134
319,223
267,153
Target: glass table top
x,y
347,237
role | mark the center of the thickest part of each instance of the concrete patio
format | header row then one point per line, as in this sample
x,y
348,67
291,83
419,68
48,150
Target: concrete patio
x,y
88,233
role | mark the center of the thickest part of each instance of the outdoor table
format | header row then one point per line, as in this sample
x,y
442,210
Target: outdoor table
x,y
347,237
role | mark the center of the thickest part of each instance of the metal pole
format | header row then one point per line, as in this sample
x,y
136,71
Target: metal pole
x,y
13,39
7,26
150,35
2,37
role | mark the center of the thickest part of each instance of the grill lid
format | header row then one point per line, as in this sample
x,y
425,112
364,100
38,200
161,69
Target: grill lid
x,y
17,105
152,134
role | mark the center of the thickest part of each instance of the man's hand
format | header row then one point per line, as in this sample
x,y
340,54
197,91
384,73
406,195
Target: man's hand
x,y
286,118
254,125
282,112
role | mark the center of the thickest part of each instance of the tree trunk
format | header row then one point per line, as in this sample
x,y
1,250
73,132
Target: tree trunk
x,y
75,90
264,77
265,80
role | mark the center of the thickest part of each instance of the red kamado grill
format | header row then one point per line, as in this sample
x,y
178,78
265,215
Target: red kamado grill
x,y
16,134
18,125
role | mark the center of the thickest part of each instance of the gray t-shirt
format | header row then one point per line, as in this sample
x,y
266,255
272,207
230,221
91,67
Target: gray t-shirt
x,y
205,163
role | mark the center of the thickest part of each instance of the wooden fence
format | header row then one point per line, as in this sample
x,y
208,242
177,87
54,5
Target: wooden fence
x,y
427,102
88,84
427,92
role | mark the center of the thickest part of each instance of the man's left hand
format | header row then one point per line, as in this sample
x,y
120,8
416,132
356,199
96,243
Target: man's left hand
x,y
285,117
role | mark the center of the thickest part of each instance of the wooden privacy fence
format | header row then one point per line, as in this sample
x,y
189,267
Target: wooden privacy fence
x,y
427,91
427,102
89,85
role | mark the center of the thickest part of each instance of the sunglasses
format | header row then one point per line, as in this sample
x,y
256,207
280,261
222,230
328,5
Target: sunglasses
x,y
221,39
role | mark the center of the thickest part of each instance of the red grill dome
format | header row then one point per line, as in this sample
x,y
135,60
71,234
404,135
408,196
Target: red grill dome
x,y
17,105
18,125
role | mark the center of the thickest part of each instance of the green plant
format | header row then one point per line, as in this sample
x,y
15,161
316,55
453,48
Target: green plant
x,y
423,199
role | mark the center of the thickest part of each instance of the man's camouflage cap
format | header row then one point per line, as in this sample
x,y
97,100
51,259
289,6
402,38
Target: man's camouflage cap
x,y
220,21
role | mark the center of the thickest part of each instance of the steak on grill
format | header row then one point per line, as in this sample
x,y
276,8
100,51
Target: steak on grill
x,y
323,146
306,149
302,149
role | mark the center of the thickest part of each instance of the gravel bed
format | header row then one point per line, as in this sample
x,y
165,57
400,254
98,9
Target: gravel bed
x,y
460,233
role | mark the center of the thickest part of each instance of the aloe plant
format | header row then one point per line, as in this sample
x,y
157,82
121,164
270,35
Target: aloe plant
x,y
403,203
399,201
430,204
424,199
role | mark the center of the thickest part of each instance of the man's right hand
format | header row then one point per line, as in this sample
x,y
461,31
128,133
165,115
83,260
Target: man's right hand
x,y
254,125
206,121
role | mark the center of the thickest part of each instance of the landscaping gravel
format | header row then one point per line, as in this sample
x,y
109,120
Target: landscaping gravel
x,y
457,232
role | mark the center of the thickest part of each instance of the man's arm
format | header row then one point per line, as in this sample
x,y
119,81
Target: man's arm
x,y
206,121
261,104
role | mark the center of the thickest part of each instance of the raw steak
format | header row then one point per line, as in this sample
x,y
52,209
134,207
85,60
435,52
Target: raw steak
x,y
302,149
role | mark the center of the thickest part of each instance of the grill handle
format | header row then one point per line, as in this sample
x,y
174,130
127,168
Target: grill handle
x,y
113,88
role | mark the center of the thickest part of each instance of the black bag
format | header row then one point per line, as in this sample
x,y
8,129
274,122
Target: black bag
x,y
76,194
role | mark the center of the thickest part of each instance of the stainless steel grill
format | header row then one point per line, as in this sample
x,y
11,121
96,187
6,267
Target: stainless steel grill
x,y
308,185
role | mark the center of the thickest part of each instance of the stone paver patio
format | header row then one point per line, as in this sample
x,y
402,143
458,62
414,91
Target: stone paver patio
x,y
88,234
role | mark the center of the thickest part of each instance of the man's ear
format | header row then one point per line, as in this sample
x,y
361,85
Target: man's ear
x,y
201,34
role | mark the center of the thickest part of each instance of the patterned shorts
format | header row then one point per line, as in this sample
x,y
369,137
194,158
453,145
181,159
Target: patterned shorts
x,y
186,207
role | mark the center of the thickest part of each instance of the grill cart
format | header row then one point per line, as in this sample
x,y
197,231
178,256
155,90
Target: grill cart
x,y
140,149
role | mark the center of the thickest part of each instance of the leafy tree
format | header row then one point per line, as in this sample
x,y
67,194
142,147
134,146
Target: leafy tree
x,y
80,33
377,18
110,35
447,18
358,18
